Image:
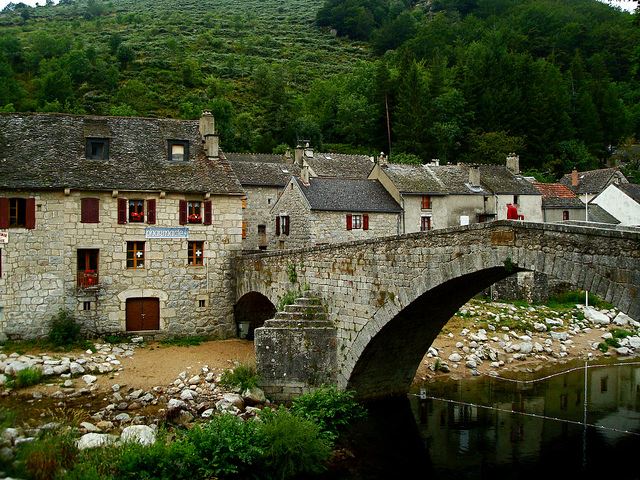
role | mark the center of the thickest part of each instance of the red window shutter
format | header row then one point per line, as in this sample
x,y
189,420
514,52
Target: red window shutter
x,y
122,210
183,212
90,210
151,211
31,214
277,226
4,212
349,221
208,216
286,225
365,222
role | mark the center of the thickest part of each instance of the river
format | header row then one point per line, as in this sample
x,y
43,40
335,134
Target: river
x,y
538,430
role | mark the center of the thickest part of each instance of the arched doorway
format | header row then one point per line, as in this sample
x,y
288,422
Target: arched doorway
x,y
250,313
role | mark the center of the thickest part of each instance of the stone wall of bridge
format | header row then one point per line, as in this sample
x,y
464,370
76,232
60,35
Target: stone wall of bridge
x,y
389,298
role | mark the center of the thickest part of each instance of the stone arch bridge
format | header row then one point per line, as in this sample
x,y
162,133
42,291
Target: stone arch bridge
x,y
384,301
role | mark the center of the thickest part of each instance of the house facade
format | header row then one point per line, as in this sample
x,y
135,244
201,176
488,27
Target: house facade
x,y
622,201
129,223
317,211
559,203
590,183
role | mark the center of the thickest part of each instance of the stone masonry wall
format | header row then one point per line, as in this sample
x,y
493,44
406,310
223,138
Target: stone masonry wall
x,y
389,298
293,204
331,227
39,267
260,201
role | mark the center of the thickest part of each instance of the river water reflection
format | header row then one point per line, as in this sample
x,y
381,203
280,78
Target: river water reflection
x,y
458,439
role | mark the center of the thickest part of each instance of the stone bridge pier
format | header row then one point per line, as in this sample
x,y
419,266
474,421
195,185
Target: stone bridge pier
x,y
385,300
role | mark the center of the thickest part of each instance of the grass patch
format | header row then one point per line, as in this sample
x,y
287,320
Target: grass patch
x,y
612,342
621,333
190,341
243,376
603,347
26,378
116,338
570,299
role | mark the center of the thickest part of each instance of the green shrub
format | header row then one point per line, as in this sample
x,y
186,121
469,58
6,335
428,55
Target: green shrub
x,y
603,347
26,378
191,341
291,445
288,298
329,408
225,446
620,333
45,457
612,342
243,376
116,338
64,331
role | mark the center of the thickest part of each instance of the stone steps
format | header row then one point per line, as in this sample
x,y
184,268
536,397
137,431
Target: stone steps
x,y
304,315
305,312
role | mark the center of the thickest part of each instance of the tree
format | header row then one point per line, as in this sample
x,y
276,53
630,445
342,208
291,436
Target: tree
x,y
492,147
410,119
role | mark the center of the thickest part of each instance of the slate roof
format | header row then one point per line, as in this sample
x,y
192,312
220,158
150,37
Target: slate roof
x,y
456,180
631,189
47,151
414,179
598,214
557,195
593,181
256,157
263,174
340,165
348,195
501,181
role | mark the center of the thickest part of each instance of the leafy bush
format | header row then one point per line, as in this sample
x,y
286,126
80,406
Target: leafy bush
x,y
44,458
620,333
26,378
163,460
288,298
64,331
612,342
329,408
603,347
292,445
243,376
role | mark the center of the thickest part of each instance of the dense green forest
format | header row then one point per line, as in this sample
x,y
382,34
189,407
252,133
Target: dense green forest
x,y
460,80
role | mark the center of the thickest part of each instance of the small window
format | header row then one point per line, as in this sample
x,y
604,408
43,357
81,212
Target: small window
x,y
196,253
88,267
262,229
136,211
425,224
202,303
178,150
194,212
244,229
86,306
426,202
17,212
135,255
565,215
97,149
515,199
268,201
356,222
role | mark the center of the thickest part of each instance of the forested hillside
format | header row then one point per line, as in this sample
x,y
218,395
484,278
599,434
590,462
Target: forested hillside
x,y
460,80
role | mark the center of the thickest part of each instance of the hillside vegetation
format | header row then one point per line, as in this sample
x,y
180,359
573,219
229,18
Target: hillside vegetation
x,y
460,80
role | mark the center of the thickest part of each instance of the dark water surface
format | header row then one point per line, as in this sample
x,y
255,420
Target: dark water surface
x,y
438,439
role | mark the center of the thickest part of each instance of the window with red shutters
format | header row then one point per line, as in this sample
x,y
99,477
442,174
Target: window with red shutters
x,y
18,213
31,214
122,211
151,211
426,202
365,221
183,212
277,226
4,212
286,224
136,211
349,221
90,210
208,214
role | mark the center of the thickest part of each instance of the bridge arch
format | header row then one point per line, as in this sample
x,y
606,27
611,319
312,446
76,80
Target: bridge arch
x,y
251,311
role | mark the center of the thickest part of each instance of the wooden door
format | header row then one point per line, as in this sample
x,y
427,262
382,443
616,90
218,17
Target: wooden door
x,y
143,314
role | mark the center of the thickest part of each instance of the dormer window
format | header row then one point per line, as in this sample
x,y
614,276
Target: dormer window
x,y
97,149
178,150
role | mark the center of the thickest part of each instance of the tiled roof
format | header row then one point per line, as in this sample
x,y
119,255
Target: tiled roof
x,y
593,181
47,151
557,195
455,179
348,195
500,180
263,173
631,189
256,157
340,165
599,215
414,179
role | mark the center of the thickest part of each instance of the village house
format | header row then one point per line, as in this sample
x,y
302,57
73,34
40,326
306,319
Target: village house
x,y
621,201
264,177
590,183
440,196
559,203
129,223
316,211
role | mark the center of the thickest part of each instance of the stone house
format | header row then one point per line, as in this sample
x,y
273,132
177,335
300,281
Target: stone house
x,y
316,211
440,196
559,203
622,201
590,183
264,177
130,223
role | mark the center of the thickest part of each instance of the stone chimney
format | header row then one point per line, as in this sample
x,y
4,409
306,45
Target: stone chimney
x,y
209,137
513,163
383,159
435,162
474,176
287,156
308,151
304,175
574,178
299,153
